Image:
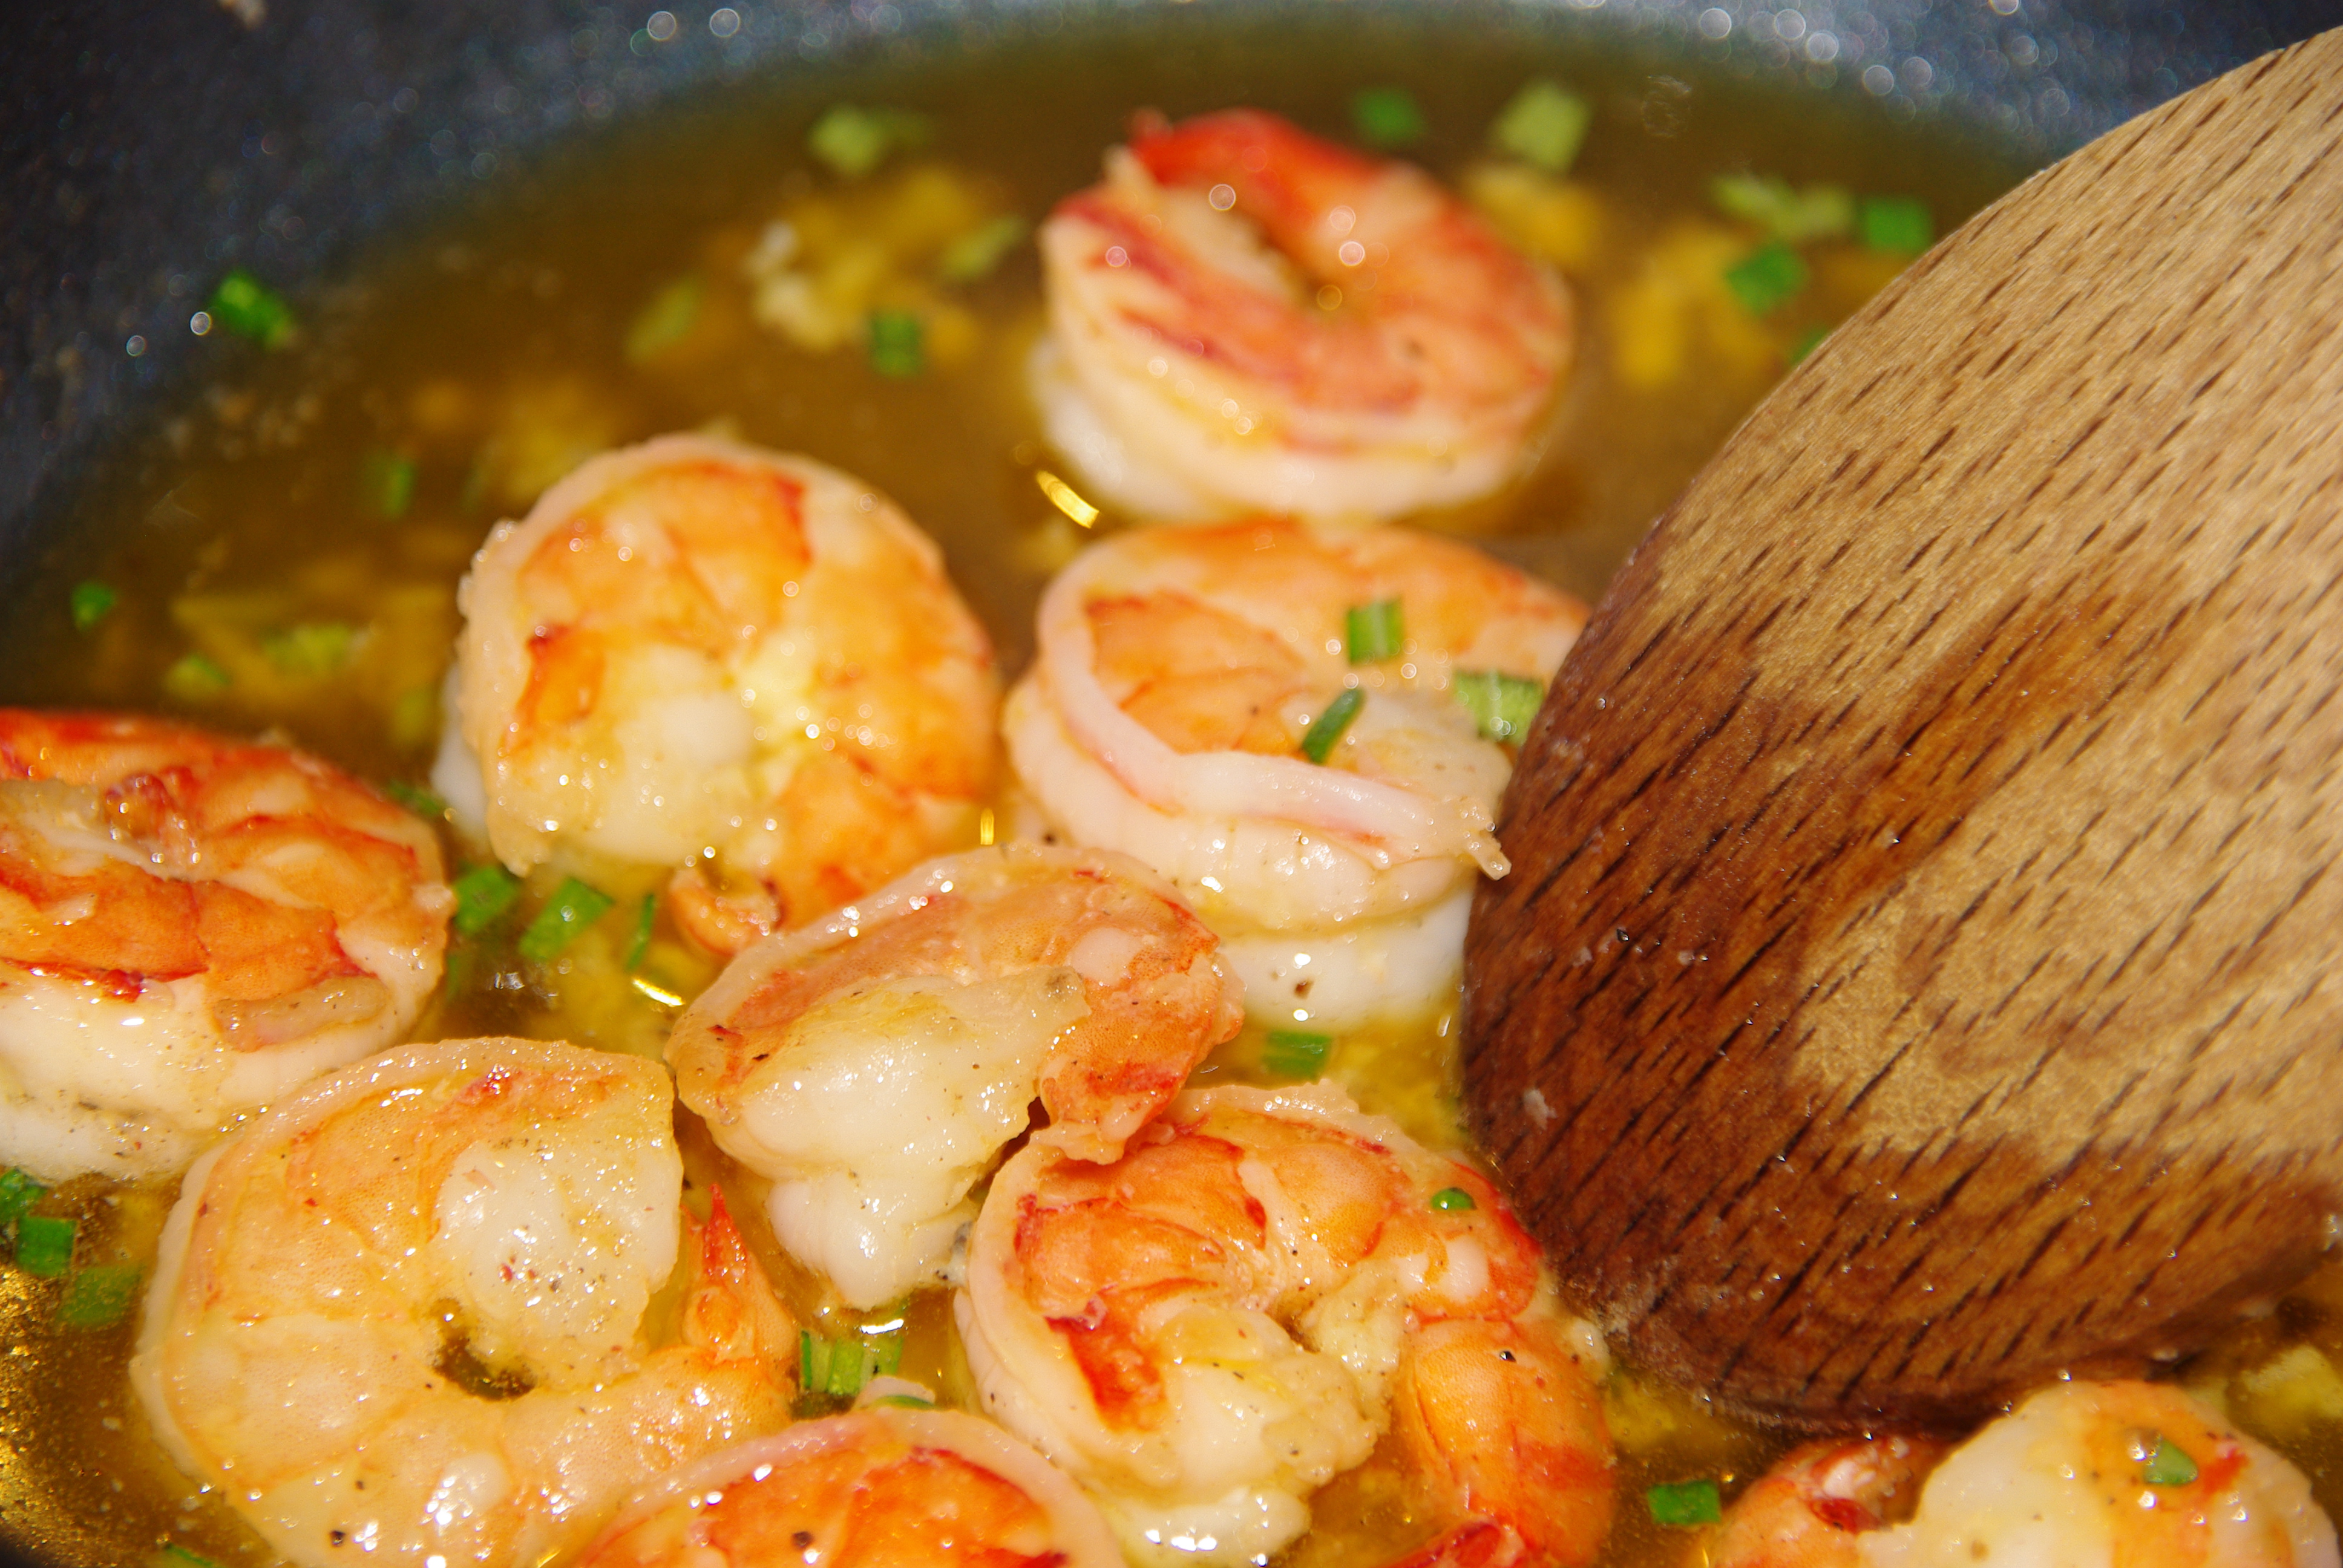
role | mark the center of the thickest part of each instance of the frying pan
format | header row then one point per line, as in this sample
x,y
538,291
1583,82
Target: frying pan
x,y
146,150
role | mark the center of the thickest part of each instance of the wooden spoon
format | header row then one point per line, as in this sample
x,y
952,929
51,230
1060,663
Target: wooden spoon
x,y
1918,974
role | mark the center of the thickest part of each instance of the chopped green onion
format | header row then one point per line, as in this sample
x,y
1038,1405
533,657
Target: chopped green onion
x,y
1319,740
194,678
312,649
45,1245
245,305
91,602
1502,705
1373,631
646,914
99,1296
854,141
387,483
482,894
1766,278
1453,1200
666,320
895,343
1296,1054
1809,341
1683,1502
172,1549
1818,212
840,1367
1544,125
905,1402
976,253
573,907
1899,223
415,798
2169,1465
18,1192
1387,117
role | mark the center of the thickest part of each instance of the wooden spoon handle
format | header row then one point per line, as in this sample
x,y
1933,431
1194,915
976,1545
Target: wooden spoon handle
x,y
1917,972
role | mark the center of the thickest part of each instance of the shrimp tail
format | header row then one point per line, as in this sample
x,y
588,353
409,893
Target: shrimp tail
x,y
730,1311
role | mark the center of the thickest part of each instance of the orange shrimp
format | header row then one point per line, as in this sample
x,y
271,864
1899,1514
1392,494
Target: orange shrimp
x,y
191,927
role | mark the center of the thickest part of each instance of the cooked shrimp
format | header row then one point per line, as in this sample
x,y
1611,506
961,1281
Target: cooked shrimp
x,y
1178,673
876,1487
1209,1329
748,665
190,927
430,1309
874,1063
1245,316
2079,1475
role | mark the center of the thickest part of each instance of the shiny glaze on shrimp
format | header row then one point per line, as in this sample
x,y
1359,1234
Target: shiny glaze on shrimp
x,y
696,654
430,1310
191,927
1213,1327
1243,316
879,1486
2072,1478
874,1063
1178,673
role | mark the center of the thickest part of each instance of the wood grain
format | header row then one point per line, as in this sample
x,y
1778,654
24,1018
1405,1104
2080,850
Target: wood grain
x,y
1918,971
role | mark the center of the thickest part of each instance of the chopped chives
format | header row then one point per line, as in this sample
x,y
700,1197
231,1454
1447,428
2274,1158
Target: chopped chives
x,y
1683,1502
194,678
18,1192
415,798
1373,631
1319,740
853,141
975,253
482,894
646,914
99,1296
91,602
1453,1200
666,320
840,1367
313,648
245,305
1544,125
2169,1465
573,907
1766,278
387,483
172,1549
1387,116
45,1245
1295,1054
1818,212
896,343
1899,223
1502,705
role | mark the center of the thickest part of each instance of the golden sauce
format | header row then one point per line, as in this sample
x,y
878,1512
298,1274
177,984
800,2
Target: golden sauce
x,y
286,549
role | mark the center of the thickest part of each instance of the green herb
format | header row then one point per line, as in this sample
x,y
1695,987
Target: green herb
x,y
91,602
1899,223
840,1367
18,1192
245,305
1296,1054
666,320
1373,631
194,678
312,649
482,894
896,349
979,251
1318,741
905,1402
646,913
172,1549
1683,1502
1766,278
1818,212
415,798
1544,125
854,141
573,907
387,483
1502,705
45,1245
1387,117
99,1296
1453,1200
1809,341
2169,1465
